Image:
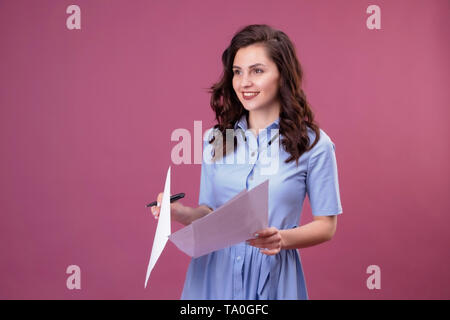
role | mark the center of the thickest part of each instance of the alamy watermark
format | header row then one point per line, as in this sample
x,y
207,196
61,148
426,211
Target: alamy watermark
x,y
247,152
374,280
74,280
73,22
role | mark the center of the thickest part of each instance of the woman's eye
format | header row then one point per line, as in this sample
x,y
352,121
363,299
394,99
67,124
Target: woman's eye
x,y
256,70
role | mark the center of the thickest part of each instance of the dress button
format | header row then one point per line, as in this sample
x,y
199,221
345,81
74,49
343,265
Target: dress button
x,y
238,258
253,153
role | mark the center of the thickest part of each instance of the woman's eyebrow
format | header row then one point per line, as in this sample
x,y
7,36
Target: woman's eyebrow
x,y
253,65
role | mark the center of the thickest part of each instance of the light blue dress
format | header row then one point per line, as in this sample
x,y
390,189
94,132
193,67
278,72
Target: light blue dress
x,y
241,271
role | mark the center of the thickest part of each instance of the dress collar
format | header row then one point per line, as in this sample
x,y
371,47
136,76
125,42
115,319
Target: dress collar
x,y
242,123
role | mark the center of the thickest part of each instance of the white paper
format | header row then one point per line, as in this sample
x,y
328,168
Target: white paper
x,y
162,230
234,222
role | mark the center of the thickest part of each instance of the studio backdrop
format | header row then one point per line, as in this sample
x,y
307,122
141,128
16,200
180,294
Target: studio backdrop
x,y
91,93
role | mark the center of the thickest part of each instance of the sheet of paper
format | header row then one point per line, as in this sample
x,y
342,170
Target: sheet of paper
x,y
234,222
162,229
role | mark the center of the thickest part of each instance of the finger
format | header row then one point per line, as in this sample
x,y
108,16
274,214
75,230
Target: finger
x,y
270,252
266,245
155,211
159,199
265,232
274,242
276,237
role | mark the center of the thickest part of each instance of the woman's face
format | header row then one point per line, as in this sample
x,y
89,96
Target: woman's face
x,y
254,72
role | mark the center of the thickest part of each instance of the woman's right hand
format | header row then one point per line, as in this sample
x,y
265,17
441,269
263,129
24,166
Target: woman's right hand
x,y
177,210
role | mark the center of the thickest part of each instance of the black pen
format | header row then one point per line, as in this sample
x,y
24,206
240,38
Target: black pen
x,y
173,198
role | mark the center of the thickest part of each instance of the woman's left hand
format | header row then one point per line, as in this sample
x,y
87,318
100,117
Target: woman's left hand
x,y
269,240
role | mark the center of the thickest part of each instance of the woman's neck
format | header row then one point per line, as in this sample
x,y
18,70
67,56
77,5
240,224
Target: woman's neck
x,y
260,119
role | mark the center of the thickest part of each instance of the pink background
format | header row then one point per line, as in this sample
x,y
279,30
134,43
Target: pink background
x,y
86,118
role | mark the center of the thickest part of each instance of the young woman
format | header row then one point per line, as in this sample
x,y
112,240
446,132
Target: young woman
x,y
260,93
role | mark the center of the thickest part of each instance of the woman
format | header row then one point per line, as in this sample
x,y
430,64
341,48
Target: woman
x,y
260,92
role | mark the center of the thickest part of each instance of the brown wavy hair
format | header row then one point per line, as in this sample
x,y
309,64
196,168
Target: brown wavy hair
x,y
295,113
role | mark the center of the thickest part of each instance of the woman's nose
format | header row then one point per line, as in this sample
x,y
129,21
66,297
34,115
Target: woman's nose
x,y
246,81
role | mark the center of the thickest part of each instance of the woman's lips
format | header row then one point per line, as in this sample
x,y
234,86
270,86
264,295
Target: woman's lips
x,y
249,97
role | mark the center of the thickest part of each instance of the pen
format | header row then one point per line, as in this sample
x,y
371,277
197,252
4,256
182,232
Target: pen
x,y
173,198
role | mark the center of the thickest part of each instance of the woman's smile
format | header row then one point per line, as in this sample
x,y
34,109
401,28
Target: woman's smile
x,y
248,95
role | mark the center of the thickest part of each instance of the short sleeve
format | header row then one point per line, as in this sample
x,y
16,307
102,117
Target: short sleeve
x,y
206,179
322,183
